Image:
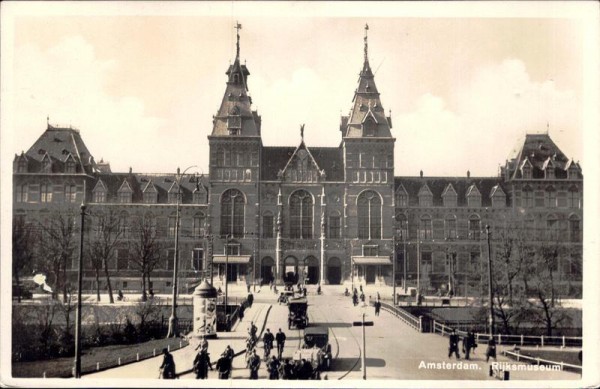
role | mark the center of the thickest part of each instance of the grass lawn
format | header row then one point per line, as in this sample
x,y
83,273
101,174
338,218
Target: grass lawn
x,y
566,356
107,356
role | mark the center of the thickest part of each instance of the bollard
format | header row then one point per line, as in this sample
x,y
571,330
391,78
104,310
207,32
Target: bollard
x,y
564,343
420,323
180,344
137,357
119,361
542,340
154,352
97,366
44,375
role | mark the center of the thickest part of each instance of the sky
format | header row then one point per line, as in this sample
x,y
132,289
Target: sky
x,y
142,81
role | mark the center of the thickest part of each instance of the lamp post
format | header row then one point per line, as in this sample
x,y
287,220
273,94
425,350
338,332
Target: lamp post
x,y
490,291
173,321
77,372
403,259
394,269
226,268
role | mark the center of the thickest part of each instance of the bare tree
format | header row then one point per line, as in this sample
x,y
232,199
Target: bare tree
x,y
108,233
145,249
23,241
56,248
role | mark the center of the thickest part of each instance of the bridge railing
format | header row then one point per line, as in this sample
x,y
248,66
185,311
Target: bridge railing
x,y
411,320
539,361
522,340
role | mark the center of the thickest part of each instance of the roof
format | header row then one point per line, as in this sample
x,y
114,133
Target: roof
x,y
328,159
461,185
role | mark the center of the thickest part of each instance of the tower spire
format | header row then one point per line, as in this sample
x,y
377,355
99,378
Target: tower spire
x,y
238,27
366,43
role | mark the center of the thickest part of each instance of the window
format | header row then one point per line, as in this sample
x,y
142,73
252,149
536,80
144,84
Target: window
x,y
150,197
401,199
449,196
198,224
70,193
170,262
198,259
425,200
574,228
526,172
122,259
527,198
550,173
551,197
473,197
232,213
539,199
70,166
451,227
369,127
232,249
124,197
370,250
369,215
402,225
573,198
22,166
426,265
474,227
171,227
474,261
22,193
335,226
173,194
123,225
99,196
199,196
301,211
425,227
552,227
268,225
561,199
46,165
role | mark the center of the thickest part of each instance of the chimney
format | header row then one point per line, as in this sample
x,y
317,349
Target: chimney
x,y
130,170
421,173
468,173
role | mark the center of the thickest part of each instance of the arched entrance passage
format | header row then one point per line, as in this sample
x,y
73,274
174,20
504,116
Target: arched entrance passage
x,y
290,270
334,271
312,270
266,270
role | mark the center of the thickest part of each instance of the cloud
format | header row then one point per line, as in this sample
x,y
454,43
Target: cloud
x,y
67,82
496,106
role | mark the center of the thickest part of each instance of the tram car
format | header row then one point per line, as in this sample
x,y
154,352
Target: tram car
x,y
297,316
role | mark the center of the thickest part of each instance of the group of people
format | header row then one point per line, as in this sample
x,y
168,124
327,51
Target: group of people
x,y
469,344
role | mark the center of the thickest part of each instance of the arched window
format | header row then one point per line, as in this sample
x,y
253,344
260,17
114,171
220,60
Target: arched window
x,y
232,213
474,227
574,228
369,215
425,227
450,224
301,211
552,227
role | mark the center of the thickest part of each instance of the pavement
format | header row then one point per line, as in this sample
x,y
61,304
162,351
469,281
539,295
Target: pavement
x,y
394,351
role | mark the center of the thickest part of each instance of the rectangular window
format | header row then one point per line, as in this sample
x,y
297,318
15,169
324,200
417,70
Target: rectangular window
x,y
370,251
528,199
551,199
539,199
425,201
197,259
475,229
124,197
402,200
451,228
170,259
99,196
233,249
575,230
450,201
561,199
171,226
70,193
122,259
474,201
426,262
22,193
425,232
335,227
517,198
198,226
573,201
267,226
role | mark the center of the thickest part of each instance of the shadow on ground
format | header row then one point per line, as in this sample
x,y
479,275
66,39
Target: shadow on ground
x,y
354,364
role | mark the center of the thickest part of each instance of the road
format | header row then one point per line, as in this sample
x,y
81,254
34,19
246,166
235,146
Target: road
x,y
394,350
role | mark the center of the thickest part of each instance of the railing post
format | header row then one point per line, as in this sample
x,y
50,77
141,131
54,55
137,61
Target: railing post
x,y
499,339
477,338
119,361
97,366
420,323
153,352
564,342
542,340
521,339
137,357
169,348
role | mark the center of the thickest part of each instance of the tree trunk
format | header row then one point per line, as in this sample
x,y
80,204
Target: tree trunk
x,y
144,297
64,277
97,284
108,284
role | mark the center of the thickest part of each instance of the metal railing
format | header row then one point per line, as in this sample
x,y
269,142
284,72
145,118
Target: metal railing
x,y
539,361
411,320
522,340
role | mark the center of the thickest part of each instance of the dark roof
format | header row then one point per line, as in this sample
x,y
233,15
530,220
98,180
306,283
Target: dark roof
x,y
328,158
436,185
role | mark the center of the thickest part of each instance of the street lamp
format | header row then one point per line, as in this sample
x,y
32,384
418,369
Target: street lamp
x,y
79,284
173,322
226,268
491,295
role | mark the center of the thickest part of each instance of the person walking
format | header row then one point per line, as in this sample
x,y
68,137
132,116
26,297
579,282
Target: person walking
x,y
287,370
468,344
280,338
453,347
167,368
254,365
273,368
355,299
224,367
268,343
229,352
202,364
491,350
377,307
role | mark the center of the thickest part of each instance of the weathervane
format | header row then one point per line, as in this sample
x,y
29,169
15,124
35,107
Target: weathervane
x,y
238,27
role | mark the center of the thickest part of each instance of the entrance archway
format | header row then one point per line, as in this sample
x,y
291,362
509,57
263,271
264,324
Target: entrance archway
x,y
334,271
312,270
266,270
290,270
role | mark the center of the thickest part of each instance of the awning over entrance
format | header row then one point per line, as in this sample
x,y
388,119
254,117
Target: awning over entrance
x,y
233,259
371,260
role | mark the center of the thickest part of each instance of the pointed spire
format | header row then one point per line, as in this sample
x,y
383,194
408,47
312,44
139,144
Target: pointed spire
x,y
48,121
238,27
302,132
366,43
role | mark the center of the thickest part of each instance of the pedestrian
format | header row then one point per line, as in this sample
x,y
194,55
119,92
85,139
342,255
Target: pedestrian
x,y
250,300
453,347
224,367
203,345
377,307
241,312
167,368
355,299
306,370
491,350
273,368
280,338
268,339
229,352
252,330
288,370
362,297
360,288
468,344
378,296
254,365
202,364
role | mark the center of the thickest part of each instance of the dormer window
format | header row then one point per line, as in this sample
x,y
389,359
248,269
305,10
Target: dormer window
x,y
449,196
473,197
236,78
550,173
173,194
199,196
100,196
46,165
498,197
425,197
70,165
124,193
22,166
234,121
369,127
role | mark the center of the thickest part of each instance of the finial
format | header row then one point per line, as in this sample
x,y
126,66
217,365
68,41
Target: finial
x,y
48,121
547,128
238,27
302,132
366,43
